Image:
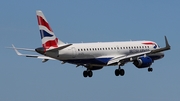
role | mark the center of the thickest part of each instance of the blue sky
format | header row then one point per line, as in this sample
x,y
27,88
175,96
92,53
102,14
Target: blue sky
x,y
27,79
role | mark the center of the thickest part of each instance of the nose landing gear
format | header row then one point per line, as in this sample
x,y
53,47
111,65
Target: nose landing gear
x,y
150,69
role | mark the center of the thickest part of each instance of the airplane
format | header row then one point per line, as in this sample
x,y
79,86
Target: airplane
x,y
95,56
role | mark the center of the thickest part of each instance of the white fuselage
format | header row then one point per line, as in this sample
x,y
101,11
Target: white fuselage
x,y
100,53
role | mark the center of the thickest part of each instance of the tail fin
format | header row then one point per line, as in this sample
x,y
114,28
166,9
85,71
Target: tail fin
x,y
49,40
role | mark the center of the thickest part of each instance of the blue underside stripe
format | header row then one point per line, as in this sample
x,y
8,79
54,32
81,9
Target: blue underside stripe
x,y
99,61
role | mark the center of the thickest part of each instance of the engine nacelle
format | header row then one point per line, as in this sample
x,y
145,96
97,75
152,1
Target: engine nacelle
x,y
143,62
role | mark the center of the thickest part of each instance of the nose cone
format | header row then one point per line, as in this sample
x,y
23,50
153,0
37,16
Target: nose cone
x,y
40,50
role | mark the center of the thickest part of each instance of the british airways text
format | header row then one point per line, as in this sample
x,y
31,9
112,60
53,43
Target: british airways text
x,y
138,50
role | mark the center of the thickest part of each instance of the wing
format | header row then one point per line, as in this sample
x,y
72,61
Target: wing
x,y
127,58
45,58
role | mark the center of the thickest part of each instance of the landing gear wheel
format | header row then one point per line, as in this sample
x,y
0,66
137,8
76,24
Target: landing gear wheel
x,y
90,73
117,72
85,73
122,72
150,69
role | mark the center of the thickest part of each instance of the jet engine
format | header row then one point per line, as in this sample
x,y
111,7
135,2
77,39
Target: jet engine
x,y
143,62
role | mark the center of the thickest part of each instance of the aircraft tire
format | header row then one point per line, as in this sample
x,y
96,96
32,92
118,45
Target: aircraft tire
x,y
90,73
117,72
85,73
150,69
122,72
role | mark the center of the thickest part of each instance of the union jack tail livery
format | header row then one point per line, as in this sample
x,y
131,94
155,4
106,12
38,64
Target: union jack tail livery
x,y
49,40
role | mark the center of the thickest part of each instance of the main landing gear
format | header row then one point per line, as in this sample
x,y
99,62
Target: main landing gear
x,y
119,71
87,73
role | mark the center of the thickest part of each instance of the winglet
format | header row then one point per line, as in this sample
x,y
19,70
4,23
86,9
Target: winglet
x,y
167,47
167,44
17,52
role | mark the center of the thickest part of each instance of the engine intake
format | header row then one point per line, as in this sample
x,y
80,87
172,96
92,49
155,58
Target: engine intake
x,y
143,62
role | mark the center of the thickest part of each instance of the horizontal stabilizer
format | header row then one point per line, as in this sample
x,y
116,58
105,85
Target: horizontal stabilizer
x,y
29,55
24,49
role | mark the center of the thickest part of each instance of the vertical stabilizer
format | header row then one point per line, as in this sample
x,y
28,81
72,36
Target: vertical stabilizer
x,y
49,40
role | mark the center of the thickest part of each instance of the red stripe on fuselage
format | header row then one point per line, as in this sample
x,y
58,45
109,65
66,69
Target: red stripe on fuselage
x,y
148,43
51,43
42,22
